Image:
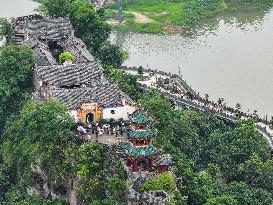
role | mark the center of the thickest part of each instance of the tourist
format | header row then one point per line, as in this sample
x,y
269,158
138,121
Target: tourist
x,y
97,135
121,130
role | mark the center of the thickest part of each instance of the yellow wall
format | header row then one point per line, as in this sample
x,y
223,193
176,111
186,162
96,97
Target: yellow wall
x,y
89,108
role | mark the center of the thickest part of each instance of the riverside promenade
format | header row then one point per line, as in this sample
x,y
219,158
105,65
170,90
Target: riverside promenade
x,y
182,100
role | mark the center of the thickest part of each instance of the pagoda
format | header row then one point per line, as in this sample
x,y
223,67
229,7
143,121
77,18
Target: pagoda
x,y
141,154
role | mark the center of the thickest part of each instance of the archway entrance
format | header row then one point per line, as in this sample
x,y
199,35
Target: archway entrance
x,y
142,164
89,117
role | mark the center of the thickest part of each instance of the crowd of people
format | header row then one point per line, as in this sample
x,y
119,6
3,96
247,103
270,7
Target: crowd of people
x,y
99,129
171,88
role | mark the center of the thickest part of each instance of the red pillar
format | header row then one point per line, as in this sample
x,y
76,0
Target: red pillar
x,y
134,165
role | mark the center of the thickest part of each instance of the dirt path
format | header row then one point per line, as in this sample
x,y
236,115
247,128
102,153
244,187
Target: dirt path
x,y
140,18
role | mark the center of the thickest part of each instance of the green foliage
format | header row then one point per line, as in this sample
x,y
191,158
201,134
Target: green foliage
x,y
126,82
197,9
5,29
66,57
117,188
222,200
16,66
112,55
6,180
57,8
163,181
200,189
203,146
88,25
140,70
15,79
17,196
257,173
243,194
89,160
39,135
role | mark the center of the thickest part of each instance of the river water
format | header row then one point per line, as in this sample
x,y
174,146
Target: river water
x,y
229,56
13,8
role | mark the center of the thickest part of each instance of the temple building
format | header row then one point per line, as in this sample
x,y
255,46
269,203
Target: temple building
x,y
79,85
141,154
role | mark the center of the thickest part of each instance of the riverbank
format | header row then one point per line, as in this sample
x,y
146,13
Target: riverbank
x,y
170,16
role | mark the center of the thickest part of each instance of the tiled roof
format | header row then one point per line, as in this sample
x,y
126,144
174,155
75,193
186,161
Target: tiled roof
x,y
164,160
75,74
140,134
142,151
43,27
139,117
126,146
78,49
104,94
73,85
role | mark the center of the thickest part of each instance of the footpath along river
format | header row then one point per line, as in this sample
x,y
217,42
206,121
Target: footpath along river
x,y
229,56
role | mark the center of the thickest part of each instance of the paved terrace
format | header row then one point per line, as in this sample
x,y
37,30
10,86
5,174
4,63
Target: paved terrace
x,y
104,138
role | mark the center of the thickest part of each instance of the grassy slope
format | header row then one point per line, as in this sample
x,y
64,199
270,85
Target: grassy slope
x,y
168,15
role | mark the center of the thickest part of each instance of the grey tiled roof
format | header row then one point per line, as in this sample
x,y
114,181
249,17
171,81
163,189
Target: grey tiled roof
x,y
72,85
75,74
164,160
44,27
78,49
104,94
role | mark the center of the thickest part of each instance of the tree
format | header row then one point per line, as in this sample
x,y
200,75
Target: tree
x,y
206,96
15,79
238,107
258,173
66,57
16,66
118,189
112,55
244,194
164,181
39,135
140,70
57,8
222,200
200,189
5,29
220,101
126,82
255,115
88,25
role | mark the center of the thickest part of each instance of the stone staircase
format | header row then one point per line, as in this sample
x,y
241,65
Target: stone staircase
x,y
17,38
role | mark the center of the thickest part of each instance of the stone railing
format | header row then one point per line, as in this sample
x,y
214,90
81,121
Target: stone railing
x,y
163,73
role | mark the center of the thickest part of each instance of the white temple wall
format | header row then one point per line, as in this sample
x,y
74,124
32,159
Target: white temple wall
x,y
74,115
117,112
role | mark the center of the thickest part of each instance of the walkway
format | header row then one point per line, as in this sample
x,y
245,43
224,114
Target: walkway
x,y
183,102
104,138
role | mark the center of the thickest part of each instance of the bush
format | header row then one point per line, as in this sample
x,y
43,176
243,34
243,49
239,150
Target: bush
x,y
164,182
66,57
